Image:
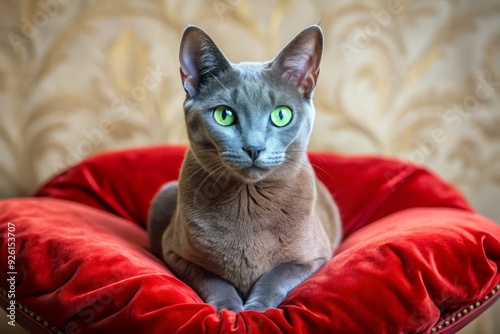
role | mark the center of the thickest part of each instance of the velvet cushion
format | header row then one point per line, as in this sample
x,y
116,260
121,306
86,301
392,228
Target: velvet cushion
x,y
415,258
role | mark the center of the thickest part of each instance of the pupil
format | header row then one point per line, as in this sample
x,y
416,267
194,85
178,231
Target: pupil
x,y
224,114
280,114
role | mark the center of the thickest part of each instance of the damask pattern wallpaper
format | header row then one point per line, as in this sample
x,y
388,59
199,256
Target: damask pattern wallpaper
x,y
417,80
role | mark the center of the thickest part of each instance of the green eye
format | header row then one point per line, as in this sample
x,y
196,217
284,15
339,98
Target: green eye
x,y
281,116
224,116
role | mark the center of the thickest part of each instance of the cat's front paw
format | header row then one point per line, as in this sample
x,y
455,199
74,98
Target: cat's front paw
x,y
235,305
260,304
255,307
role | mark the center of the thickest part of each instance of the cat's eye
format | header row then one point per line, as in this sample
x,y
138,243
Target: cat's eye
x,y
224,116
281,116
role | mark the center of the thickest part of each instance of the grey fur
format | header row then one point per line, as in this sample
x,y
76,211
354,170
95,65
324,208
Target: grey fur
x,y
241,228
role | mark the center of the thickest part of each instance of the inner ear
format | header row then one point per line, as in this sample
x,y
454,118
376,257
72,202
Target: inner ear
x,y
199,58
299,61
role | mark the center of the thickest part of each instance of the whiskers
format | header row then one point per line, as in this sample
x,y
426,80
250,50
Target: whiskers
x,y
297,162
209,188
201,168
206,166
217,167
208,150
317,167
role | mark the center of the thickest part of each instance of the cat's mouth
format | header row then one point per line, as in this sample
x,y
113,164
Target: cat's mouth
x,y
251,170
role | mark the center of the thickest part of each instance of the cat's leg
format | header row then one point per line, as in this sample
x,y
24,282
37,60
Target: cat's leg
x,y
211,288
160,214
272,287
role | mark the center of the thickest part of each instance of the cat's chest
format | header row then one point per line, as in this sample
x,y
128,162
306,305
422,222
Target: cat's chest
x,y
251,228
240,232
236,251
251,211
244,226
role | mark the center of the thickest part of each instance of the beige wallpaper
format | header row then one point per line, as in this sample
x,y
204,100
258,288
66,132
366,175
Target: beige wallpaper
x,y
416,79
419,80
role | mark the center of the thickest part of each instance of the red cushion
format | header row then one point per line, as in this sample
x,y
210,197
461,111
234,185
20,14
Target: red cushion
x,y
421,258
365,188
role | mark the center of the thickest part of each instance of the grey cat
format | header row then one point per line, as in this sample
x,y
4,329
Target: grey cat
x,y
268,223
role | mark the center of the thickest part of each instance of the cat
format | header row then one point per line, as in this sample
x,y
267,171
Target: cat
x,y
248,220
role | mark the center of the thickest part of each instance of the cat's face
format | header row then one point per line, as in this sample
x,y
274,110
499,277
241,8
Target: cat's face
x,y
249,118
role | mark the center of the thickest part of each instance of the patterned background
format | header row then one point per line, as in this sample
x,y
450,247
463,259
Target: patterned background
x,y
419,80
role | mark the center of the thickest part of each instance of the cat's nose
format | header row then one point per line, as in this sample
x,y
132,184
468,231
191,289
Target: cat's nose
x,y
253,151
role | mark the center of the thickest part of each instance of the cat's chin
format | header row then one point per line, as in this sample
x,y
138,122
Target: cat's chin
x,y
252,174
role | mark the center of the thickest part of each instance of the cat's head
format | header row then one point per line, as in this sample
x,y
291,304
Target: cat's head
x,y
249,118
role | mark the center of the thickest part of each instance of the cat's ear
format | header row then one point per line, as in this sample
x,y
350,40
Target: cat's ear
x,y
199,58
299,60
